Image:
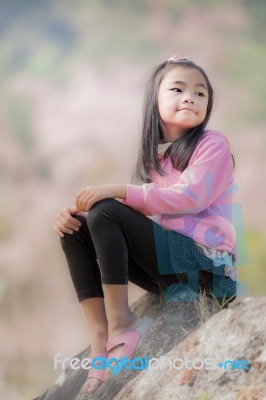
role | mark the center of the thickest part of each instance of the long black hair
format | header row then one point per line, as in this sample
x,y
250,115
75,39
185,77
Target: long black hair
x,y
180,151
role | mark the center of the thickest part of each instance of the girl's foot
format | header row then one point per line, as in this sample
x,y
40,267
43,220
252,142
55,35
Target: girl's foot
x,y
98,346
123,326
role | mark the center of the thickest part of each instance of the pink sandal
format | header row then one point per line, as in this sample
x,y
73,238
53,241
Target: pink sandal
x,y
130,340
96,373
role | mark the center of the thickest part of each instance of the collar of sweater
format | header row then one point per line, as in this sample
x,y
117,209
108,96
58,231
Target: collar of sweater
x,y
163,147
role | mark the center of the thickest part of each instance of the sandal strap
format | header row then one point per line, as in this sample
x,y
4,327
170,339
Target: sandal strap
x,y
92,356
97,373
130,341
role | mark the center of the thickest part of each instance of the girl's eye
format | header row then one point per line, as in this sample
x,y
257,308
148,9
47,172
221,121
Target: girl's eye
x,y
176,90
201,94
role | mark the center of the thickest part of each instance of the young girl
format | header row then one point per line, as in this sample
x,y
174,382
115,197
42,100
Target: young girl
x,y
173,228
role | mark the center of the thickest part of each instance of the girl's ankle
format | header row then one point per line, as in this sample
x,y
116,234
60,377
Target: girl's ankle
x,y
122,325
98,346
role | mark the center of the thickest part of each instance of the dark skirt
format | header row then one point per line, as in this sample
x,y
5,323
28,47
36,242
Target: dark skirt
x,y
179,254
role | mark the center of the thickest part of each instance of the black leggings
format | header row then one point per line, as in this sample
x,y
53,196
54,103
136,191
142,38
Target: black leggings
x,y
116,244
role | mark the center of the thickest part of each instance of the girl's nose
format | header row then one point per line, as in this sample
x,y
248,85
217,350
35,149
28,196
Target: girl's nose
x,y
188,98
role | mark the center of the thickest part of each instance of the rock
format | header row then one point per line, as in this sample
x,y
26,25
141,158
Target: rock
x,y
195,332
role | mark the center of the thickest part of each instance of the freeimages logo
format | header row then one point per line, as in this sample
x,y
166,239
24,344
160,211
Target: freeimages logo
x,y
238,364
152,364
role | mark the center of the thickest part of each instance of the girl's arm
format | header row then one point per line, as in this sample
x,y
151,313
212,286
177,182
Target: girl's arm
x,y
209,174
91,194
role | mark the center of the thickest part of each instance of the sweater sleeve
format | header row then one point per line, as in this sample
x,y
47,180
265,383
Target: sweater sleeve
x,y
209,174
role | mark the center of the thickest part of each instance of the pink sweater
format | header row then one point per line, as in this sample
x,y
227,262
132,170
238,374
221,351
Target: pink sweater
x,y
197,202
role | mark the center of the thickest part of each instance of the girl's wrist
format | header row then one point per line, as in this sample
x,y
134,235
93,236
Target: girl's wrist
x,y
119,191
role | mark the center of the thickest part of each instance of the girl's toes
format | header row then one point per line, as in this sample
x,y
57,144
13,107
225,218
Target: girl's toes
x,y
92,385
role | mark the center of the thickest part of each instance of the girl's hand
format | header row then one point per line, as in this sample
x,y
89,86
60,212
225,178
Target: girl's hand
x,y
65,223
91,194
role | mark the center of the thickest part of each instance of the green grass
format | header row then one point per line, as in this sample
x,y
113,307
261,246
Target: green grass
x,y
253,275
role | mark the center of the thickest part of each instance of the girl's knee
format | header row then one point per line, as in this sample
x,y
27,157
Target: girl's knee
x,y
103,204
75,236
100,210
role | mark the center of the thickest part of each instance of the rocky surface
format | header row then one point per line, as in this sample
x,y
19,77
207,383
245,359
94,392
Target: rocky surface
x,y
191,332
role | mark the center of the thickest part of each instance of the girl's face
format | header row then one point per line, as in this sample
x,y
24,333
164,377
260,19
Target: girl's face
x,y
182,101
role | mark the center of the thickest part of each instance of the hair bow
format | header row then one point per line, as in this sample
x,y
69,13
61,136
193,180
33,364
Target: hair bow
x,y
176,57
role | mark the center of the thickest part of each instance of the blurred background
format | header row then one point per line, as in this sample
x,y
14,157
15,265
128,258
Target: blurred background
x,y
72,80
